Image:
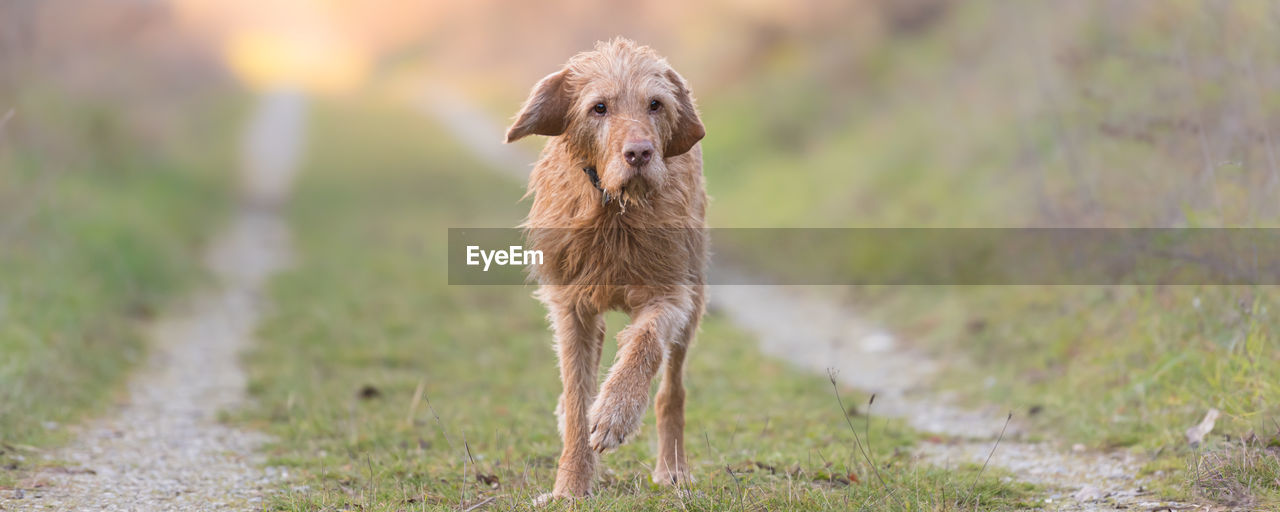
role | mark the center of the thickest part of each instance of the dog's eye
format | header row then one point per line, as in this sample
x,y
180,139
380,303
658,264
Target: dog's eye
x,y
654,105
599,108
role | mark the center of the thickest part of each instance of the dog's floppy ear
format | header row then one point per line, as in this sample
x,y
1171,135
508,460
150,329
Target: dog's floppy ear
x,y
688,129
546,112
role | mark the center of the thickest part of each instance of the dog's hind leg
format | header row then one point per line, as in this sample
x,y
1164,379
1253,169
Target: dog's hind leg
x,y
579,337
642,346
672,466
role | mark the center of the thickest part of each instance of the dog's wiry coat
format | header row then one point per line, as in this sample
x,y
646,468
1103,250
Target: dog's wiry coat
x,y
636,243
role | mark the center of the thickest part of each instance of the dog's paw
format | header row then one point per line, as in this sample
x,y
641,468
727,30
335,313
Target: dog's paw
x,y
667,476
547,498
543,500
615,416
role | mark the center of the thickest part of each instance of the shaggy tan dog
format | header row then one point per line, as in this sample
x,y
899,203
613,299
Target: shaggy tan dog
x,y
619,213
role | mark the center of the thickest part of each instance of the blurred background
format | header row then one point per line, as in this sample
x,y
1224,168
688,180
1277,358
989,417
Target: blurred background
x,y
120,132
865,112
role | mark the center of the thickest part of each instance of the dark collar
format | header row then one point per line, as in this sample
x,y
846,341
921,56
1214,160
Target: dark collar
x,y
590,170
595,178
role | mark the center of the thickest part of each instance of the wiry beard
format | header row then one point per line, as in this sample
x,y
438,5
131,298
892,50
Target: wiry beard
x,y
634,194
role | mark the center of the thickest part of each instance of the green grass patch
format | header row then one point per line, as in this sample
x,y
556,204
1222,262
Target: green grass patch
x,y
100,224
1241,474
388,389
1109,367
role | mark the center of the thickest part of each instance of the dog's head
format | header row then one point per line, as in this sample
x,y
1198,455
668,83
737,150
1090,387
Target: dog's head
x,y
621,109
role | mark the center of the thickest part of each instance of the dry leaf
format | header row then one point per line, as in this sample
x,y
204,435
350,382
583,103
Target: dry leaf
x,y
1195,435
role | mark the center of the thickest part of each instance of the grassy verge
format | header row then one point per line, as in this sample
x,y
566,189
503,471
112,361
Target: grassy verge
x,y
1115,367
1095,115
388,389
99,225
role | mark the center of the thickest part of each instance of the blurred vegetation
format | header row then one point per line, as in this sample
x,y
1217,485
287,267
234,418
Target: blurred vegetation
x,y
96,236
1091,114
1112,114
106,194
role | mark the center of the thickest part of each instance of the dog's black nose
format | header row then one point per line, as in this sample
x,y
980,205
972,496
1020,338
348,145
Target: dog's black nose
x,y
638,153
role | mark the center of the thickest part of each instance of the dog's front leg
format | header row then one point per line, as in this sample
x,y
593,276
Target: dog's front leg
x,y
579,337
619,408
672,467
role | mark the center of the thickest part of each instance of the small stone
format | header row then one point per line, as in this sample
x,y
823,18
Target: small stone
x,y
1078,447
878,341
1088,493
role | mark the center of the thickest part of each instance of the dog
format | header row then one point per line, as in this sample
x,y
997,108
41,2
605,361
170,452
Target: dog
x,y
619,212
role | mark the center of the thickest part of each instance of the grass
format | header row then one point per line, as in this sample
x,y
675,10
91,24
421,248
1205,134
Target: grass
x,y
1095,115
99,226
1142,363
1240,474
388,389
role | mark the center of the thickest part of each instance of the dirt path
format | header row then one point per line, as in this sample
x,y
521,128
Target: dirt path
x,y
164,449
805,326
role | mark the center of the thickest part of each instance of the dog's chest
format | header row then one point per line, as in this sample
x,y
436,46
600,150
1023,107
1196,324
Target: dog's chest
x,y
619,253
